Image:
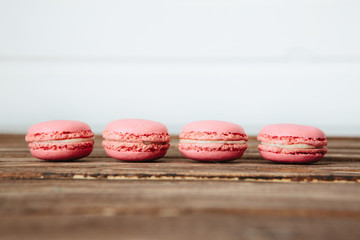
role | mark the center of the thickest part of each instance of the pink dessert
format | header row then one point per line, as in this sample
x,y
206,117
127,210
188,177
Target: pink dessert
x,y
136,140
60,140
212,141
292,143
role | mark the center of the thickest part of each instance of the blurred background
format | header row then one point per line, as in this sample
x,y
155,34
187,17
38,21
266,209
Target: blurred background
x,y
252,62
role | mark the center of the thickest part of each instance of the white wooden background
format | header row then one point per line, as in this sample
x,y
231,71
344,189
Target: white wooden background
x,y
253,62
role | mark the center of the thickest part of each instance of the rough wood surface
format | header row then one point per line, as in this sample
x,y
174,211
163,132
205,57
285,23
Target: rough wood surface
x,y
176,198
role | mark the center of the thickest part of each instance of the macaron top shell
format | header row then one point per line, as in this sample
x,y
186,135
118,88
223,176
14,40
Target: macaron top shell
x,y
293,134
213,126
293,130
213,130
136,130
136,126
58,130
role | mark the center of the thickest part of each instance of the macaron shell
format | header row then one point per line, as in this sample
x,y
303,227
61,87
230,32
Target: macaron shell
x,y
58,130
130,151
135,156
293,130
212,152
61,155
213,126
136,126
288,158
58,125
211,156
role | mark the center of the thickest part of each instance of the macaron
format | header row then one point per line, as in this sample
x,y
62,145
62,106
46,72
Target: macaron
x,y
60,140
136,140
292,143
212,141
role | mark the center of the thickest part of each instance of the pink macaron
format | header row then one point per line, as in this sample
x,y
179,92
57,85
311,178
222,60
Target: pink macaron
x,y
212,141
136,140
292,143
60,140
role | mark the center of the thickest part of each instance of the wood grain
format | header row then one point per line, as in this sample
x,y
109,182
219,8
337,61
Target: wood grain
x,y
176,198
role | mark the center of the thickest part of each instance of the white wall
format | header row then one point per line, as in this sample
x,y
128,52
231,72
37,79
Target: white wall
x,y
252,62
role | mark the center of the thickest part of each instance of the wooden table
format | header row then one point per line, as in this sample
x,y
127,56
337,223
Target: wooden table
x,y
175,198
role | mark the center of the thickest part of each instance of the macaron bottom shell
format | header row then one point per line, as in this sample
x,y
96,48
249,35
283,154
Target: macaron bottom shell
x,y
211,156
61,155
135,156
135,151
291,158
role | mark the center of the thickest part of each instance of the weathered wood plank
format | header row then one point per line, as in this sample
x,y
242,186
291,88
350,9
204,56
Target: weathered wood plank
x,y
178,209
192,226
149,197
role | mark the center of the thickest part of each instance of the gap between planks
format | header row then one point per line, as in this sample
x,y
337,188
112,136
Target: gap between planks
x,y
177,177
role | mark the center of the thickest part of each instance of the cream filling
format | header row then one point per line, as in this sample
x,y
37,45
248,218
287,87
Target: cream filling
x,y
211,142
143,142
74,140
300,146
